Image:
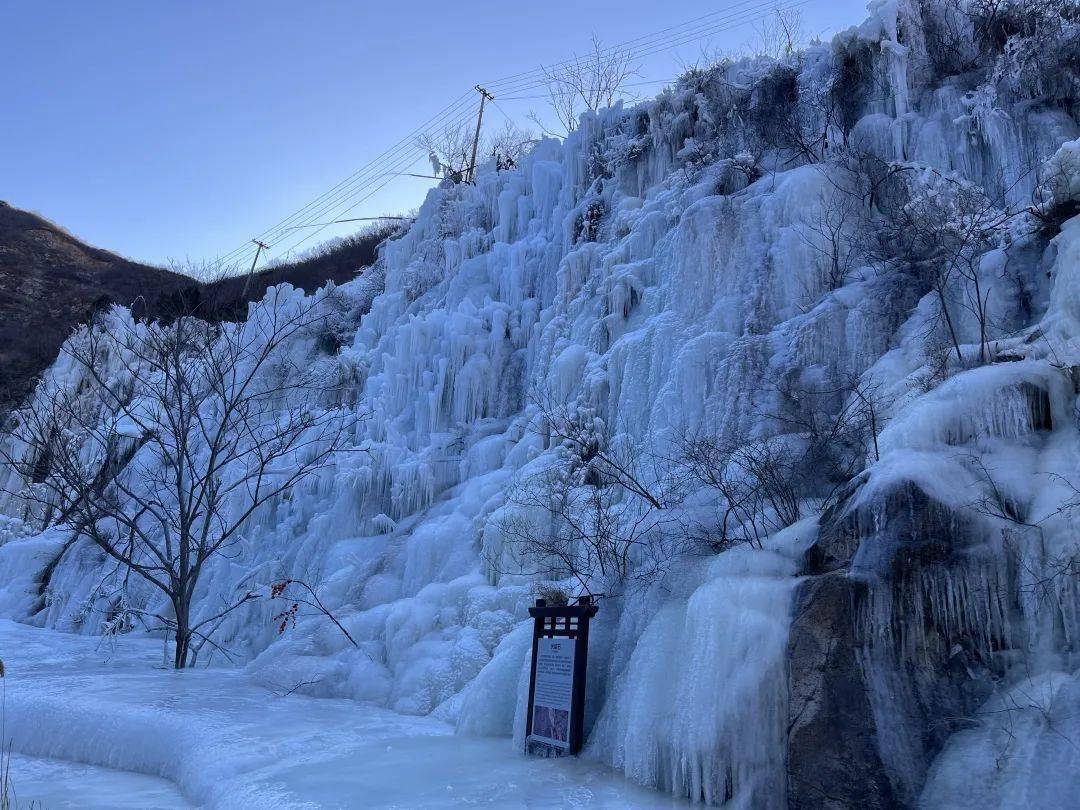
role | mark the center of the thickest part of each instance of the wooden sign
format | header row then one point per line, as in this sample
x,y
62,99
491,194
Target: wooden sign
x,y
560,651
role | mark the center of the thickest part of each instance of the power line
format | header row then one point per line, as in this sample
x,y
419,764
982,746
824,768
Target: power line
x,y
372,173
387,173
498,107
591,89
352,206
447,110
353,219
625,45
390,162
735,15
542,77
364,170
319,206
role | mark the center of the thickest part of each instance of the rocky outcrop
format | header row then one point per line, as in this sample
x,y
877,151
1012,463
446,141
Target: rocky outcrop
x,y
833,759
901,628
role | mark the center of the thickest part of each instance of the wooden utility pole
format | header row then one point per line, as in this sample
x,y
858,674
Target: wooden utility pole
x,y
484,96
259,249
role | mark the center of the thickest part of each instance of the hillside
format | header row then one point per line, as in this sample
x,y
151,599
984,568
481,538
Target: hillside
x,y
49,283
338,261
781,366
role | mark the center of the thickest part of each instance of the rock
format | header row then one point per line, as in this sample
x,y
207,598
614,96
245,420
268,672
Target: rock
x,y
833,759
882,664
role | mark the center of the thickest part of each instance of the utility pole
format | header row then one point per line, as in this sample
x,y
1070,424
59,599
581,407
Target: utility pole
x,y
259,249
484,96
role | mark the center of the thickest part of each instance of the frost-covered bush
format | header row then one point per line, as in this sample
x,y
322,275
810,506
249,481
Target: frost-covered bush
x,y
852,83
773,104
1062,173
1034,46
587,226
12,528
596,513
946,36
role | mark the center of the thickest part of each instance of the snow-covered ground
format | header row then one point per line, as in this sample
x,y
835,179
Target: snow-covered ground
x,y
52,784
228,743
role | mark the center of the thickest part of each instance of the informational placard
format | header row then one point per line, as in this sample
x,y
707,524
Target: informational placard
x,y
554,692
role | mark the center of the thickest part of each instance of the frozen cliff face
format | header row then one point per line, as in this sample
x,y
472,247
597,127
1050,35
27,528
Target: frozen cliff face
x,y
756,255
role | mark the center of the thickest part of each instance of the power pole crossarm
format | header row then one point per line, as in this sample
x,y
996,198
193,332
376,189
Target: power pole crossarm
x,y
484,96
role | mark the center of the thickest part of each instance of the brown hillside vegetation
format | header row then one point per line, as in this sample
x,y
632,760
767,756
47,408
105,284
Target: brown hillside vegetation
x,y
50,282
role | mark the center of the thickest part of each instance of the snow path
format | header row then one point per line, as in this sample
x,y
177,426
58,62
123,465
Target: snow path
x,y
228,743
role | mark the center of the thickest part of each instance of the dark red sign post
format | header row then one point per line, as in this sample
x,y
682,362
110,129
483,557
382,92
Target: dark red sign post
x,y
560,653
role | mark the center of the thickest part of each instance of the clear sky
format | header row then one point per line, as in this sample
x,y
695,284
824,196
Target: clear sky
x,y
171,130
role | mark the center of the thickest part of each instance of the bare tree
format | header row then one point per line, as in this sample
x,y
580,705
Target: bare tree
x,y
297,592
509,145
590,82
838,424
793,113
593,532
832,233
780,34
599,513
756,484
943,225
449,151
1046,571
176,435
826,434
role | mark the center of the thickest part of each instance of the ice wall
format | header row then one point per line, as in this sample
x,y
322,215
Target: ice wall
x,y
662,269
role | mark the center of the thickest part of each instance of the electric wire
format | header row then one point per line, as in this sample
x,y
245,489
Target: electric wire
x,y
751,11
389,164
444,111
439,119
356,183
632,44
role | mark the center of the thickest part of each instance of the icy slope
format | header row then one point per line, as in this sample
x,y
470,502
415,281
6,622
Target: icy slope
x,y
665,272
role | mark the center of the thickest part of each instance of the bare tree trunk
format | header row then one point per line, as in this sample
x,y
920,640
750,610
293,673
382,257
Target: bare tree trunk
x,y
183,632
949,323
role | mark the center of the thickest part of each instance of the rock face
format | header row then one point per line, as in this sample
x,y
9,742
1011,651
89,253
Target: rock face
x,y
49,283
882,668
833,759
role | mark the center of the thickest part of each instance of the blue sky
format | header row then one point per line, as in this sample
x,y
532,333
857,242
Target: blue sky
x,y
171,130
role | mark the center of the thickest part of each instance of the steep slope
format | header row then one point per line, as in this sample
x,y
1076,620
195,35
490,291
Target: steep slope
x,y
842,287
49,283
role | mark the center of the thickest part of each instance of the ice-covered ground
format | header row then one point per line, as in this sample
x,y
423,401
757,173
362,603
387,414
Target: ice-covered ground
x,y
52,784
228,743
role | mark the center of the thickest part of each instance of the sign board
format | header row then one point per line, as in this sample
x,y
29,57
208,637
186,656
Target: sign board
x,y
554,691
556,708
